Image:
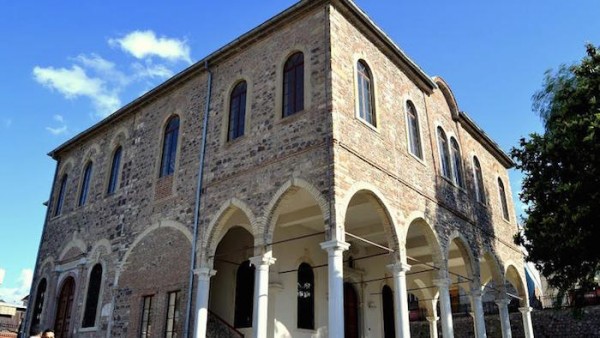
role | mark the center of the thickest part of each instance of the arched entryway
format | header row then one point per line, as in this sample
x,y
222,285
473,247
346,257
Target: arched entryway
x,y
232,288
351,319
64,308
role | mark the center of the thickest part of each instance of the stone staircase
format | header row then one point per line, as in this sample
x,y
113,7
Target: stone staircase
x,y
217,327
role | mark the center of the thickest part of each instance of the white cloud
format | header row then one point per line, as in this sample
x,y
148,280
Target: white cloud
x,y
150,70
74,82
57,131
105,69
15,294
143,44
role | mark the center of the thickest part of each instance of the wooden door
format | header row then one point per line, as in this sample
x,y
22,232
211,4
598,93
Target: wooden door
x,y
63,310
350,311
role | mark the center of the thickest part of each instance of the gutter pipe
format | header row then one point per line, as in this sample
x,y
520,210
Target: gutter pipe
x,y
197,206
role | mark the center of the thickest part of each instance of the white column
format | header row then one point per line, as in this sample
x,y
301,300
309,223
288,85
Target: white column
x,y
260,318
433,333
504,317
527,325
202,293
400,299
335,269
445,307
477,310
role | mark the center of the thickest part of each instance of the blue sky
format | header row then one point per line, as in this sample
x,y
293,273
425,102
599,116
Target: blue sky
x,y
66,64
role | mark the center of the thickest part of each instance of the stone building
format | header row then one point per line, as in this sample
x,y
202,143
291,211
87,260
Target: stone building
x,y
321,178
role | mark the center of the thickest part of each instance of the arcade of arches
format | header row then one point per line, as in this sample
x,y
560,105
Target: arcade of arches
x,y
289,275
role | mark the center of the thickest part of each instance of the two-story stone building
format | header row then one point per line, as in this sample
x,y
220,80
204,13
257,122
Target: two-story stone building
x,y
302,181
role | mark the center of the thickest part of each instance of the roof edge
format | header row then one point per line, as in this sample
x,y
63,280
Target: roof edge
x,y
473,129
255,33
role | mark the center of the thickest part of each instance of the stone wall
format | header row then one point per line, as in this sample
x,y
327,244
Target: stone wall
x,y
546,323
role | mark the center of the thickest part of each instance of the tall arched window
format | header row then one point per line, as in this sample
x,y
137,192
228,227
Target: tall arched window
x,y
414,135
293,84
306,297
444,153
38,307
457,164
479,188
85,183
387,299
503,199
113,179
237,111
244,295
366,110
61,195
93,294
169,149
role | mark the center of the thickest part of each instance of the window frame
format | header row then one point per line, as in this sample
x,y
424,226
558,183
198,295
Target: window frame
x,y
411,136
96,298
479,183
458,176
310,303
367,77
173,315
115,171
85,183
241,99
444,152
291,67
170,146
503,200
146,317
60,198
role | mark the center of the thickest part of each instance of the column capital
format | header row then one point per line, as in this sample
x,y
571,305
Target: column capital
x,y
476,292
525,309
205,273
502,302
441,282
432,319
262,260
335,245
399,267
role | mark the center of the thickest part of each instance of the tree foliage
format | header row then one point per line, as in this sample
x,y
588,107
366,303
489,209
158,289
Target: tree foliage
x,y
561,185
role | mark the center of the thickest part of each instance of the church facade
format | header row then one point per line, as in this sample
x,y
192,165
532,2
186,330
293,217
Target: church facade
x,y
306,180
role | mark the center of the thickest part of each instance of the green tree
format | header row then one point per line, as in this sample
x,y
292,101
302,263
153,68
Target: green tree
x,y
561,184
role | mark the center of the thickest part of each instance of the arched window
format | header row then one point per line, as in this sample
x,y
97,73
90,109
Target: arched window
x,y
61,195
444,153
366,111
457,164
387,299
63,309
237,111
503,199
38,307
113,179
414,135
293,84
306,297
93,293
479,189
169,150
85,183
244,295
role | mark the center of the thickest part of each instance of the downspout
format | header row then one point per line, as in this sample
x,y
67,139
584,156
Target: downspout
x,y
33,300
197,206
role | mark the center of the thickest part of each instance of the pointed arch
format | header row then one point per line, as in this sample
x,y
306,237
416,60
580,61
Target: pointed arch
x,y
287,189
218,226
418,218
490,269
448,95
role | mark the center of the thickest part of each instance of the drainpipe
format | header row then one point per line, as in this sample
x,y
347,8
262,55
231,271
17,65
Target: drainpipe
x,y
197,206
32,294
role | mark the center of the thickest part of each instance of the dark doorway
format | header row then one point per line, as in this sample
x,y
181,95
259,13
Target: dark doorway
x,y
244,295
63,310
350,311
387,298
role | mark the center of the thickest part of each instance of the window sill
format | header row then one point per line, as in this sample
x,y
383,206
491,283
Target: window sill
x,y
367,124
290,118
239,139
420,160
453,184
88,329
